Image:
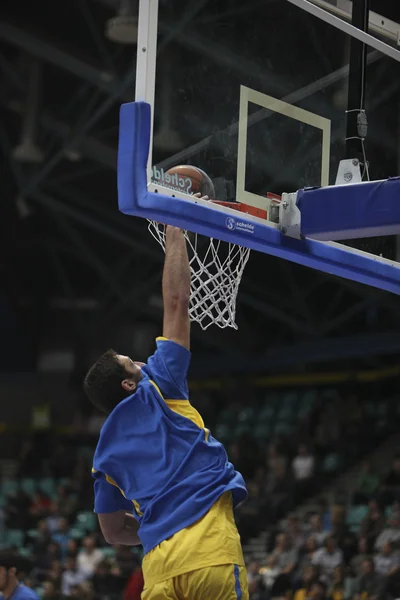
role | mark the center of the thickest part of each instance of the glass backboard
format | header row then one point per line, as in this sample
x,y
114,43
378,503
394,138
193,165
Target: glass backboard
x,y
257,95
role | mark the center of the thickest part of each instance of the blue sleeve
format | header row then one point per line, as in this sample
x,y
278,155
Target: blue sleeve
x,y
168,368
108,498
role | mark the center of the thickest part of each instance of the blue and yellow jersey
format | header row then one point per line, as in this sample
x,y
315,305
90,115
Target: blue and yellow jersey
x,y
155,455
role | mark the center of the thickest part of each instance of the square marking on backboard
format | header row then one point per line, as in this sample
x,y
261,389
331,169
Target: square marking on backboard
x,y
293,112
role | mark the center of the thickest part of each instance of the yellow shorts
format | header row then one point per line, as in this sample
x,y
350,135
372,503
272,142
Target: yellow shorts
x,y
222,582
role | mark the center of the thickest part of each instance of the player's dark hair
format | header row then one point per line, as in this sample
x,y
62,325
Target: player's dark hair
x,y
102,383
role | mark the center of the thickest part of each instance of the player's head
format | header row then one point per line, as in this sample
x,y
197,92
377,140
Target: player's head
x,y
11,563
112,378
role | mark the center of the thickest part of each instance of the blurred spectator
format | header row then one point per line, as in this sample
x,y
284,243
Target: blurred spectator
x,y
367,484
370,586
390,533
125,560
41,538
328,557
89,557
280,494
53,520
276,461
134,587
253,575
39,506
295,532
71,577
317,591
387,561
82,591
67,504
72,548
391,483
17,511
55,573
337,588
308,577
50,592
107,581
285,553
357,561
307,555
372,524
316,530
270,572
62,536
303,467
303,464
325,514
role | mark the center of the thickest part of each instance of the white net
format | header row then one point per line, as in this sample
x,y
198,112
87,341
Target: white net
x,y
216,272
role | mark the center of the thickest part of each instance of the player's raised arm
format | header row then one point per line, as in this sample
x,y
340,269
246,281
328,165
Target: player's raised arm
x,y
176,288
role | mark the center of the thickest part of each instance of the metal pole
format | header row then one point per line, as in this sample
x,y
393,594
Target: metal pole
x,y
357,81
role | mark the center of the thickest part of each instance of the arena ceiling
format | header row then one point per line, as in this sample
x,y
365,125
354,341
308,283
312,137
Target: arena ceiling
x,y
77,275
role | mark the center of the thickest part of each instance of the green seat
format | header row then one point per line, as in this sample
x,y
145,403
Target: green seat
x,y
28,485
86,452
356,514
331,463
246,415
285,413
388,512
241,428
64,481
223,433
15,538
267,412
48,486
76,533
283,428
9,486
3,500
86,521
262,432
25,552
108,552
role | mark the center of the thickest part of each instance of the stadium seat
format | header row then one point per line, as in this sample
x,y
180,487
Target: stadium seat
x,y
14,538
266,413
86,521
355,515
283,428
28,485
247,414
262,431
223,433
76,534
331,463
9,486
108,552
48,486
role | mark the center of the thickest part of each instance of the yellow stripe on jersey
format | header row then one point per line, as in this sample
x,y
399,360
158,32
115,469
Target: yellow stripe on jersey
x,y
185,409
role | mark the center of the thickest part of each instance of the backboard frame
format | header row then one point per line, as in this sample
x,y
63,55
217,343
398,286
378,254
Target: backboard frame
x,y
138,196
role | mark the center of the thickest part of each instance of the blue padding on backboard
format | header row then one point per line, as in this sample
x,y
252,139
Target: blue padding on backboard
x,y
134,199
351,211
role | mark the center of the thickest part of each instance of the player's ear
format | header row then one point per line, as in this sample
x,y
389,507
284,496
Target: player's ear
x,y
12,572
129,385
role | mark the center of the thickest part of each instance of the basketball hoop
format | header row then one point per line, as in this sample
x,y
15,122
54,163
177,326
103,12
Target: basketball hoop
x,y
216,272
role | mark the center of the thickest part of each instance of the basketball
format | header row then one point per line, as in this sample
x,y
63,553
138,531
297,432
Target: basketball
x,y
199,181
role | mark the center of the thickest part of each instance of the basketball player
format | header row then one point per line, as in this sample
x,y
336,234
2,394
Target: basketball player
x,y
10,587
161,479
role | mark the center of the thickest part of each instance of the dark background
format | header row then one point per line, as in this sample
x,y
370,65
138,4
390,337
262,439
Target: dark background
x,y
77,277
